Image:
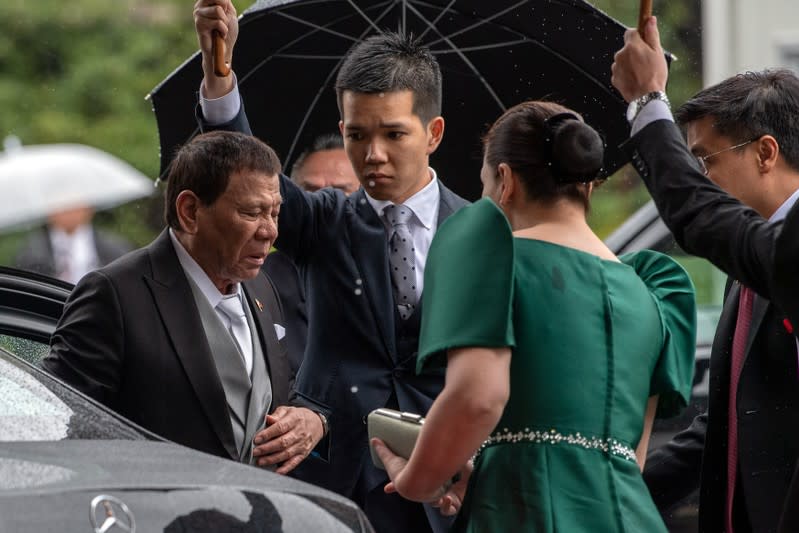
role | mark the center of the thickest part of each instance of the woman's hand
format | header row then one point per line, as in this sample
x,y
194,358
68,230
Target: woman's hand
x,y
447,499
450,503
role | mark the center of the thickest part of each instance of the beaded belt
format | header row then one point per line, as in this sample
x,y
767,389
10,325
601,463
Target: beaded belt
x,y
554,437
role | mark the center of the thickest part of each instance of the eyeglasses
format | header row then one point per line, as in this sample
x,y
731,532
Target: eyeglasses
x,y
702,158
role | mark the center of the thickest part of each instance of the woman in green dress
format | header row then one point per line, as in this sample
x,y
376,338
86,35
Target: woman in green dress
x,y
558,354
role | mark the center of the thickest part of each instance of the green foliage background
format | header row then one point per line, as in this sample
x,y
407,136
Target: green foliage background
x,y
79,71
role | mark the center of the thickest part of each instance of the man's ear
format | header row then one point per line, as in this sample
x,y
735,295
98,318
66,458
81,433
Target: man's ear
x,y
435,132
341,127
768,150
186,205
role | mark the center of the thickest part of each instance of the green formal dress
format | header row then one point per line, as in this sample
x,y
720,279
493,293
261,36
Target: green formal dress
x,y
591,341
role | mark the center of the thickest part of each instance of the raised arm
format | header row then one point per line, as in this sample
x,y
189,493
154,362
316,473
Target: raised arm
x,y
705,220
216,16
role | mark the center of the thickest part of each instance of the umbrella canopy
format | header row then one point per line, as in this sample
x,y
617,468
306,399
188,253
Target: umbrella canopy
x,y
39,180
492,55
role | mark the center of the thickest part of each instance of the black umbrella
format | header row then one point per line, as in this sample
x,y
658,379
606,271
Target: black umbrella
x,y
493,54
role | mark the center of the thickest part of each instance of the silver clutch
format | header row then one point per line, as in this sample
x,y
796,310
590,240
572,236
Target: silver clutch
x,y
397,429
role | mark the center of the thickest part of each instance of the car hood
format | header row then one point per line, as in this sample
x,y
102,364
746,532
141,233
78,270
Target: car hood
x,y
50,486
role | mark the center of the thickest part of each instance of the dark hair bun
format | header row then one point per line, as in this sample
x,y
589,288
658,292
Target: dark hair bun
x,y
577,149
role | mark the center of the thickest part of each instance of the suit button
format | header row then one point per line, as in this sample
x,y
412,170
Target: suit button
x,y
397,373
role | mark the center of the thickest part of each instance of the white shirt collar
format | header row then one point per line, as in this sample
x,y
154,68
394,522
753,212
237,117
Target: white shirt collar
x,y
197,274
782,211
424,203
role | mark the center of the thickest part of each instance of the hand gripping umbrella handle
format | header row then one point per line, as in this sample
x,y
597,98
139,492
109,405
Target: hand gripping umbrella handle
x,y
221,67
643,14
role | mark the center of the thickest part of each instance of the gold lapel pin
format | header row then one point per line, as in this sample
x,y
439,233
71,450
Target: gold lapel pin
x,y
259,304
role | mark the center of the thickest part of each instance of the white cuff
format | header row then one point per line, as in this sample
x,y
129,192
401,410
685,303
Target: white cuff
x,y
652,111
223,109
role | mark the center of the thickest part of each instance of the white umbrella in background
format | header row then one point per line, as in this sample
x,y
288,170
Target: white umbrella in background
x,y
38,180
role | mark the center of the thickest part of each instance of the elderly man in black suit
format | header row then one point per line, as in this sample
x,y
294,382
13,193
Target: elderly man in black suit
x,y
180,336
363,298
741,135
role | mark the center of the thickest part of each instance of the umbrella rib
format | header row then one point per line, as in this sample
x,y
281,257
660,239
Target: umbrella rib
x,y
435,20
306,56
370,21
481,23
524,38
482,47
465,59
316,26
300,38
322,86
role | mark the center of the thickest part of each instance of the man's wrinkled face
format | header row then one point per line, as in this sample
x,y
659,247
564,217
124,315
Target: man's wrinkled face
x,y
388,145
234,234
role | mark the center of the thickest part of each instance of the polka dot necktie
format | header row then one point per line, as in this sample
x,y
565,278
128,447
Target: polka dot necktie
x,y
401,256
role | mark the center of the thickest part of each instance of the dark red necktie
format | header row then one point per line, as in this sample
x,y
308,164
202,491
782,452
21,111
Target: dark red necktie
x,y
738,353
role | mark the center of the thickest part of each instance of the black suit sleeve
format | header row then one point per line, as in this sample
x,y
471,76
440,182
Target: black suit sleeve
x,y
87,347
705,220
672,471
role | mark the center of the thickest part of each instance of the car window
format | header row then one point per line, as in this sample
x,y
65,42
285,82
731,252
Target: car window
x,y
31,351
35,406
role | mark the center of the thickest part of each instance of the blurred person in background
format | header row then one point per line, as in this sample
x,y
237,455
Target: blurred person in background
x,y
69,246
325,164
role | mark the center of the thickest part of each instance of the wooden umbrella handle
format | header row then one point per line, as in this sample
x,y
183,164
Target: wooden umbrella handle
x,y
643,14
221,67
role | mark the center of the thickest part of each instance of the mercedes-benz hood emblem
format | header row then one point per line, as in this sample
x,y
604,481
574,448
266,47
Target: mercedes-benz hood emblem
x,y
110,515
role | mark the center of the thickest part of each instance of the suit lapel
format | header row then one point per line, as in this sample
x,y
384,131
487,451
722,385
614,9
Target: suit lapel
x,y
759,307
368,235
722,344
258,292
448,203
175,303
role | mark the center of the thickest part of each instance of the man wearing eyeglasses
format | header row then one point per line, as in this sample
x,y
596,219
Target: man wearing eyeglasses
x,y
742,148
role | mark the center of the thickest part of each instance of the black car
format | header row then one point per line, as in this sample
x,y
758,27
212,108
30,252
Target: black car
x,y
68,463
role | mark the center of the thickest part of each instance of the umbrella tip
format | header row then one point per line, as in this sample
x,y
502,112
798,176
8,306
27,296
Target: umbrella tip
x,y
12,144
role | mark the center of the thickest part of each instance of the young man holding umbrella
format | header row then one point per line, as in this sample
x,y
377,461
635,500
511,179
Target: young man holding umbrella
x,y
364,255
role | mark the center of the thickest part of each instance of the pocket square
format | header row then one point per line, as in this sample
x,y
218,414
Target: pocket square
x,y
280,331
